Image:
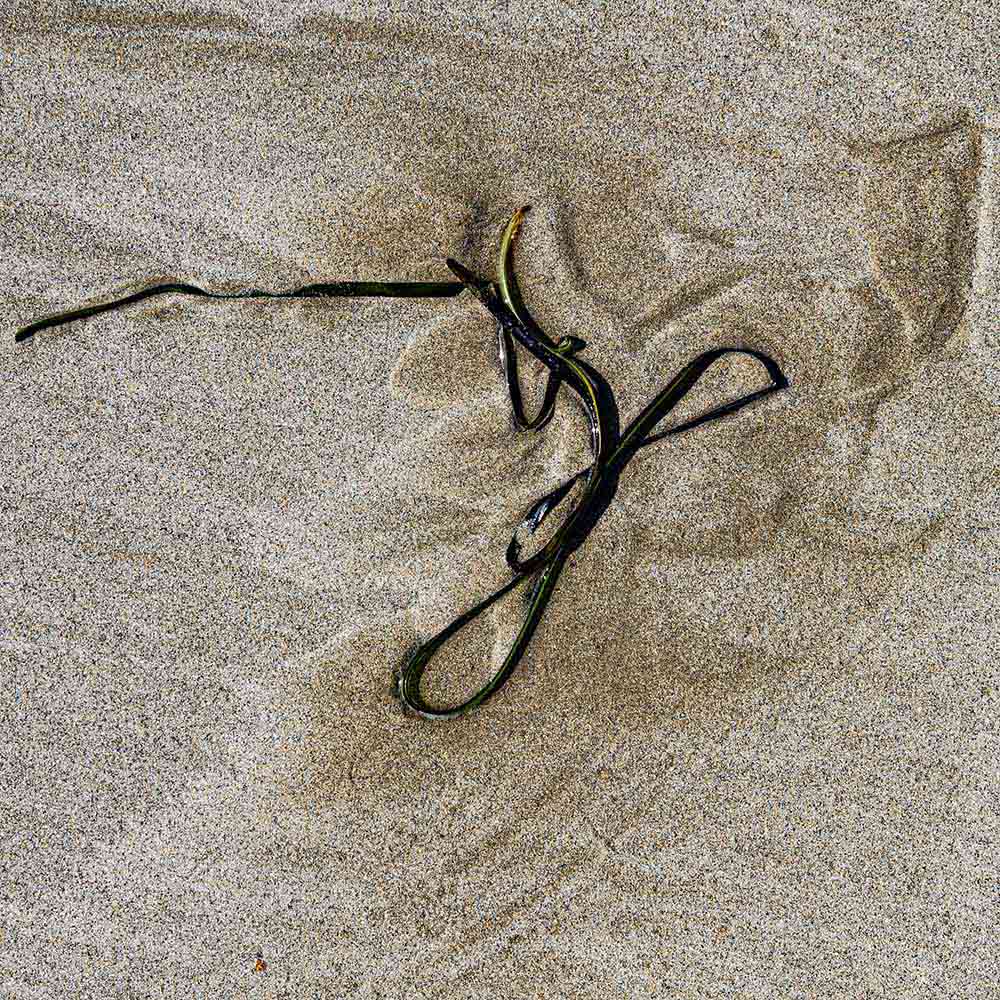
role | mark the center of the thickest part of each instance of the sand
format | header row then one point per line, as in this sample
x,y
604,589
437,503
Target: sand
x,y
752,750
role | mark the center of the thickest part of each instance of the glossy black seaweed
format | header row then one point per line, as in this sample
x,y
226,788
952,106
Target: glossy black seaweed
x,y
612,447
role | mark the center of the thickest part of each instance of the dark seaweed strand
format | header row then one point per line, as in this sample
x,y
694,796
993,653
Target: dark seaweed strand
x,y
508,290
612,452
550,559
338,289
508,361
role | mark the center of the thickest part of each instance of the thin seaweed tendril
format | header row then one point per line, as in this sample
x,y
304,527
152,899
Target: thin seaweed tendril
x,y
612,448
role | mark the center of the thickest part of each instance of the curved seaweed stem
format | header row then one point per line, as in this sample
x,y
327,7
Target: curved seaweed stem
x,y
611,447
334,289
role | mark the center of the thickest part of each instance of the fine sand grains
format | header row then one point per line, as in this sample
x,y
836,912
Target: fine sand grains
x,y
750,751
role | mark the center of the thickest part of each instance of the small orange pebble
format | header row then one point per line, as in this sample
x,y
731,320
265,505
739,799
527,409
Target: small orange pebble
x,y
261,965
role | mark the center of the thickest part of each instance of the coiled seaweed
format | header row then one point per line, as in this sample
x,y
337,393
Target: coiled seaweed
x,y
611,447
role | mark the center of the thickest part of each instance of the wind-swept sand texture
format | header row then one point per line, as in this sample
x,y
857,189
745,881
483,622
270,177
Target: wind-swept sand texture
x,y
752,750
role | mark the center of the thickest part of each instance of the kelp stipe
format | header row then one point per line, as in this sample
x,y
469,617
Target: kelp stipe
x,y
333,289
611,448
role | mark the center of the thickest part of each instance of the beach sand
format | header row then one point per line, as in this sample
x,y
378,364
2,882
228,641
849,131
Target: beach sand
x,y
752,750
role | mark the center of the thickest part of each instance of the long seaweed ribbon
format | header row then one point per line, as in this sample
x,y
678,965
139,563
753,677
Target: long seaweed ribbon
x,y
612,450
611,453
333,289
